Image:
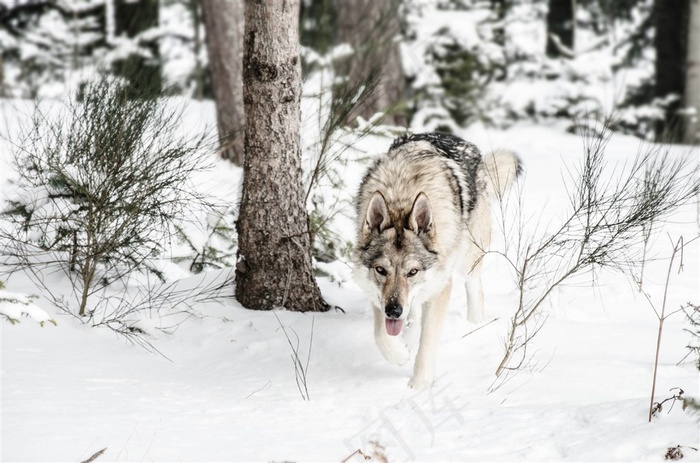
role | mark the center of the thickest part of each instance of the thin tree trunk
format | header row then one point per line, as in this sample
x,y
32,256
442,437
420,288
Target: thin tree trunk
x,y
2,77
223,22
691,129
372,27
274,266
145,74
500,8
198,93
318,24
670,44
561,25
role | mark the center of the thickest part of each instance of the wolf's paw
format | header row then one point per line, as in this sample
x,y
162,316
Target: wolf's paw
x,y
420,382
475,317
398,356
475,313
395,352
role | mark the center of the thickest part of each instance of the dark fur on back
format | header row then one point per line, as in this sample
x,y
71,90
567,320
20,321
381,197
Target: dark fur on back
x,y
455,148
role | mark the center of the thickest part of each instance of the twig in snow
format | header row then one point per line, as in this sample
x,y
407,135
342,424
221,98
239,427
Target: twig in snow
x,y
356,452
482,326
657,407
378,453
662,316
300,368
95,456
601,229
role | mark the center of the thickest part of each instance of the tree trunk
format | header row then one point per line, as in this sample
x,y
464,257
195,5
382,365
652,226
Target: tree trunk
x,y
561,24
2,77
145,74
691,129
500,9
198,76
318,24
223,22
670,44
371,28
274,266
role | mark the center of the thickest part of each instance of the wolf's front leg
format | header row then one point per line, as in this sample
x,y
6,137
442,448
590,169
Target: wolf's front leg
x,y
431,328
393,348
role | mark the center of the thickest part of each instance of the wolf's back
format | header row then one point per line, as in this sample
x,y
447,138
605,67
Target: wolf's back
x,y
497,170
448,169
465,156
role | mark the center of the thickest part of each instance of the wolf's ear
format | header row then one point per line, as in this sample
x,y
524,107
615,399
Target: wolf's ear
x,y
421,218
377,217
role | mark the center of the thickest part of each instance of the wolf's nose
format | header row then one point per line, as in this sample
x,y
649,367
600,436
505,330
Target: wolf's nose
x,y
393,310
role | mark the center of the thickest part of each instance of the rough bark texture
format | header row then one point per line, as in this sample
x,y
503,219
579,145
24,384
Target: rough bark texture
x,y
371,27
691,129
670,44
223,22
560,28
274,254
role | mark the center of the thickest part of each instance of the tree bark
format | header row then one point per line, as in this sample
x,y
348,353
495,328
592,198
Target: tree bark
x,y
670,44
274,266
223,22
371,28
691,129
561,24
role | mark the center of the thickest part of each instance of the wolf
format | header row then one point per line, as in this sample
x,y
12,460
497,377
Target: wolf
x,y
423,214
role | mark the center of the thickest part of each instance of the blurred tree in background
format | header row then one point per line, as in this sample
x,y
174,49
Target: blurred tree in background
x,y
691,131
223,21
43,42
561,25
134,23
372,29
500,62
317,24
670,42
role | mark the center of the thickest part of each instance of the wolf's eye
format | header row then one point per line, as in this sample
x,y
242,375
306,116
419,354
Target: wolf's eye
x,y
413,272
380,270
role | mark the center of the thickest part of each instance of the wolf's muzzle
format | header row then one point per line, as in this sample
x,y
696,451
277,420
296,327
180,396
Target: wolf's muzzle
x,y
393,309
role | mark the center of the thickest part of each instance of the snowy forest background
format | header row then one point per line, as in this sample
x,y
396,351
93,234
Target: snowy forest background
x,y
122,150
492,63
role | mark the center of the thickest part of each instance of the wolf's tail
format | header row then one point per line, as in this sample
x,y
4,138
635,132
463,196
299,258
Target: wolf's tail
x,y
499,170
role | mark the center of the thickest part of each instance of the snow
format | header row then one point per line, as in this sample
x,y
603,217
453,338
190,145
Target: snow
x,y
224,388
217,382
14,305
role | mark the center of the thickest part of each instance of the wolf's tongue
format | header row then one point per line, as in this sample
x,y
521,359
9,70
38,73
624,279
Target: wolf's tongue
x,y
393,327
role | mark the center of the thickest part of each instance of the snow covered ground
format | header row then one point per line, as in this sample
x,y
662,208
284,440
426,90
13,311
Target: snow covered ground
x,y
224,388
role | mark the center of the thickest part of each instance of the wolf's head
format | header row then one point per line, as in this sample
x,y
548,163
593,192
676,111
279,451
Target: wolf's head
x,y
397,251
